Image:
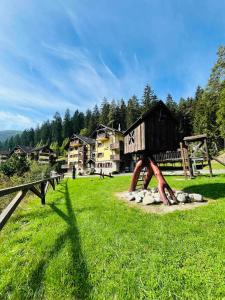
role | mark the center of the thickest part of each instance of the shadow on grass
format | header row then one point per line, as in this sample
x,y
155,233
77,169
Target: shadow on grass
x,y
78,268
210,190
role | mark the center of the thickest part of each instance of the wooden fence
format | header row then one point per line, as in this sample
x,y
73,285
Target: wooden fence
x,y
21,193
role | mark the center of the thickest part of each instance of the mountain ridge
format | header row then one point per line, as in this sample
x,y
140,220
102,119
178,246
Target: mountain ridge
x,y
5,134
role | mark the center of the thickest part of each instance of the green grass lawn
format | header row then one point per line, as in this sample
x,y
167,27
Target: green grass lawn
x,y
87,244
215,166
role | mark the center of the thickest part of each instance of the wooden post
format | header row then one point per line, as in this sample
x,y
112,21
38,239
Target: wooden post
x,y
191,175
183,157
43,193
208,157
7,212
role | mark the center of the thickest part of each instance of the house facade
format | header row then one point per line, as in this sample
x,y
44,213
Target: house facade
x,y
21,151
109,150
43,155
81,153
4,155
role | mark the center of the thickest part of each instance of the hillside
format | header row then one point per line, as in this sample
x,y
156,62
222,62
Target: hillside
x,y
5,134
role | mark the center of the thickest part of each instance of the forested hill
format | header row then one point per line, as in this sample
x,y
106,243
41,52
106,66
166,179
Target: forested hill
x,y
203,113
6,134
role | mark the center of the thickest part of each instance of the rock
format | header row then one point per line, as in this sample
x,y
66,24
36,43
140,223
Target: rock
x,y
157,198
131,198
176,193
196,197
142,193
148,199
183,197
138,199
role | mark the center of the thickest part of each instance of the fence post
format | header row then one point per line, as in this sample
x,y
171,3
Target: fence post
x,y
43,193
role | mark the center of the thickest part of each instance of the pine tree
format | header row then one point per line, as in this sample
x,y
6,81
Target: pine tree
x,y
133,111
75,122
112,114
88,125
148,99
57,129
221,111
171,104
104,112
94,119
67,125
122,114
45,133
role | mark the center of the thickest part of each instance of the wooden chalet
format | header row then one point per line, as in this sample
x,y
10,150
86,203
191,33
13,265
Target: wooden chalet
x,y
80,152
4,155
155,131
43,155
21,150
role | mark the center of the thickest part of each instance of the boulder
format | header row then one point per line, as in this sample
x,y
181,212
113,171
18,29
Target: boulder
x,y
183,197
138,199
157,198
148,199
142,193
131,197
196,197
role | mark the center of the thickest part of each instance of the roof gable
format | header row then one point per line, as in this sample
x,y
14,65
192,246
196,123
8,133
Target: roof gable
x,y
159,105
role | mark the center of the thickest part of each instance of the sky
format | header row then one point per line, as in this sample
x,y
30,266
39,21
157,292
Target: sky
x,y
59,54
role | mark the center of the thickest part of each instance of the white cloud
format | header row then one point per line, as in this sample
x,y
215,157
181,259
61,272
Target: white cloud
x,y
10,120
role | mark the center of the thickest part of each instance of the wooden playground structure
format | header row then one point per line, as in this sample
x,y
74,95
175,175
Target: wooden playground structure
x,y
153,139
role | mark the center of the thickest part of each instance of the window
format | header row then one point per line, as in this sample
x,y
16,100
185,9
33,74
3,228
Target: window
x,y
100,155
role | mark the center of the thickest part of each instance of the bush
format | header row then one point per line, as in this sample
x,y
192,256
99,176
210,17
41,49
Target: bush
x,y
15,165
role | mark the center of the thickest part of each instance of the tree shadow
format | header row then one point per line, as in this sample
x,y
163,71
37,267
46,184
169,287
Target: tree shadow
x,y
78,267
211,190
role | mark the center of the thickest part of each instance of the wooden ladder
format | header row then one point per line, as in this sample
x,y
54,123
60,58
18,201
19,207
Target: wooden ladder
x,y
141,178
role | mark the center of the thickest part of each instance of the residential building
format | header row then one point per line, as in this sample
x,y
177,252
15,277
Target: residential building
x,y
43,155
109,149
81,153
21,150
4,155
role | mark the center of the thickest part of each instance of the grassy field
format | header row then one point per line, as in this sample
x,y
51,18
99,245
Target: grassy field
x,y
215,166
87,244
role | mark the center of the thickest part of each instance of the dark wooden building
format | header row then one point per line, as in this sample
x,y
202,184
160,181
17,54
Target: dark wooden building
x,y
155,131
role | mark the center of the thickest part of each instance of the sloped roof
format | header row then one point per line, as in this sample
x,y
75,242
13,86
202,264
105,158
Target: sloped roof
x,y
41,148
85,139
102,126
25,149
4,152
159,104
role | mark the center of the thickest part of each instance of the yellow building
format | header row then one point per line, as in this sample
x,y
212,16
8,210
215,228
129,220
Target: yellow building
x,y
80,153
109,149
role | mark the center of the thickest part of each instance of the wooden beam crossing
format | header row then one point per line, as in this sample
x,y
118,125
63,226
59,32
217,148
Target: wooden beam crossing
x,y
21,193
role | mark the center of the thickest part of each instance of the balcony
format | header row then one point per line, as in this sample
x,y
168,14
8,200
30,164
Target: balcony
x,y
75,143
115,157
102,137
116,146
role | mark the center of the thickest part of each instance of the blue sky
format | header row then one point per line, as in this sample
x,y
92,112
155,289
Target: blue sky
x,y
58,54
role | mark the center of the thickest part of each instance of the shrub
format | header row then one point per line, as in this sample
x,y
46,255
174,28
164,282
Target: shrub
x,y
15,165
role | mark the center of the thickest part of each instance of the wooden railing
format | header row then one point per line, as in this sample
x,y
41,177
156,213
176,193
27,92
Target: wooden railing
x,y
21,193
169,156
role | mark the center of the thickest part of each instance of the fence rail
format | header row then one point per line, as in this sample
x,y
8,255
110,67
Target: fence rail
x,y
39,188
